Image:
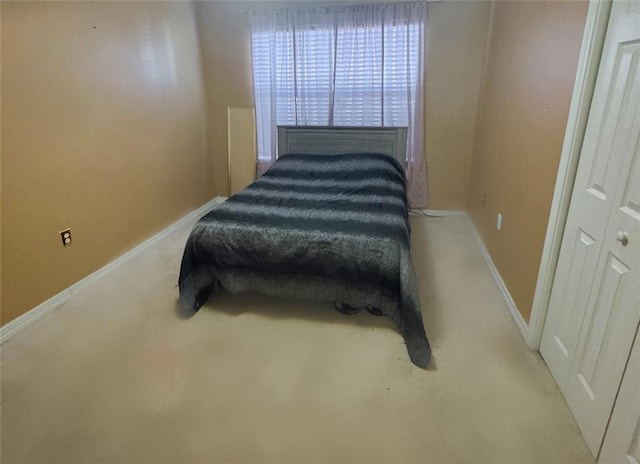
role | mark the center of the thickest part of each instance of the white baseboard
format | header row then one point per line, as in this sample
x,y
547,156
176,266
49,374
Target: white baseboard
x,y
15,326
440,212
521,324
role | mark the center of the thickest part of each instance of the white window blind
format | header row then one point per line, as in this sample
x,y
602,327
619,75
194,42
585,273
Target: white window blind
x,y
343,66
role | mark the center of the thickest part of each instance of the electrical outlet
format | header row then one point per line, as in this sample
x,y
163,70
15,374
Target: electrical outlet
x,y
65,235
499,221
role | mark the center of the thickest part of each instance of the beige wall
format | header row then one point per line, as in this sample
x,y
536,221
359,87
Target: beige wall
x,y
456,35
520,128
105,124
0,165
103,131
226,56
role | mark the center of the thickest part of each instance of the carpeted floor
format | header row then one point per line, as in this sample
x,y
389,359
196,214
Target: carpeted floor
x,y
116,375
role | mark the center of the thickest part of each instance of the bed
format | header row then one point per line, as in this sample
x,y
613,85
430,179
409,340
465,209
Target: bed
x,y
328,221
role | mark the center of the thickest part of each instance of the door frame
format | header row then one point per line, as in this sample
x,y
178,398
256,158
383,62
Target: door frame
x,y
587,71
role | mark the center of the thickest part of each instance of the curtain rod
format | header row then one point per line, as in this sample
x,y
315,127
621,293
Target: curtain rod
x,y
299,6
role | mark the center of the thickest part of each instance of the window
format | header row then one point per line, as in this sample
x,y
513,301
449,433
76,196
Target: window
x,y
343,66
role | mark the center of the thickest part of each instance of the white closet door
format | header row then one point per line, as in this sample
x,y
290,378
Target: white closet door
x,y
622,441
595,302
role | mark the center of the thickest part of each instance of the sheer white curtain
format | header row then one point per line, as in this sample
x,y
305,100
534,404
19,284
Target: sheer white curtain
x,y
344,66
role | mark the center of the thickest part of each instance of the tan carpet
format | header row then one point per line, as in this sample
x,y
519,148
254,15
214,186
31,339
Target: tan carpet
x,y
115,375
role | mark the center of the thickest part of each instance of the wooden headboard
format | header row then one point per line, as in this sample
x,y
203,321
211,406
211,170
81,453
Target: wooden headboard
x,y
390,141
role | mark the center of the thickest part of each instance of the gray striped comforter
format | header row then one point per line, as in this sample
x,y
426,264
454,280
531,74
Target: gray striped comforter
x,y
330,228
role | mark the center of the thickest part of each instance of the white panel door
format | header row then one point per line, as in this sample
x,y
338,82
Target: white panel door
x,y
622,441
613,307
594,308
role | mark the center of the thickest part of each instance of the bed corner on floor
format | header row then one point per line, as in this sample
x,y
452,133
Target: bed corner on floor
x,y
330,228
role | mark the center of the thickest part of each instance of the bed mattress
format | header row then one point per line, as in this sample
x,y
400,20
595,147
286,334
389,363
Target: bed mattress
x,y
330,228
